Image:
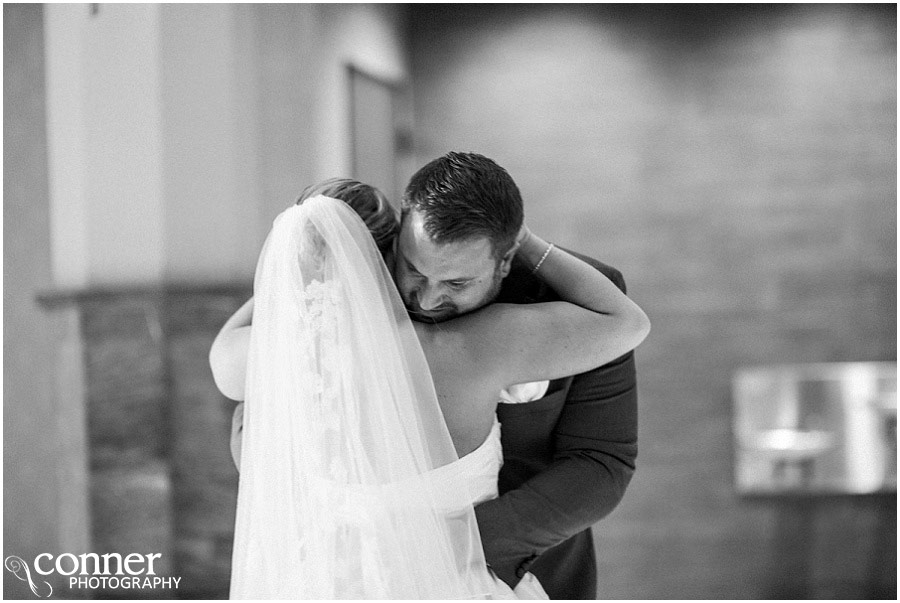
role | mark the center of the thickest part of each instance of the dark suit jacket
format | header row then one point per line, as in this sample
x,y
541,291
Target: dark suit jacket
x,y
568,458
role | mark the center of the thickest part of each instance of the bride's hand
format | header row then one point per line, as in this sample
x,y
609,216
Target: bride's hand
x,y
523,236
531,247
523,248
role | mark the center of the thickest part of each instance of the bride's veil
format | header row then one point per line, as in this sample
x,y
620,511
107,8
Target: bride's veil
x,y
341,429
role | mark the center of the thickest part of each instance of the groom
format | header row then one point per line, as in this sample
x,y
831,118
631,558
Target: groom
x,y
568,456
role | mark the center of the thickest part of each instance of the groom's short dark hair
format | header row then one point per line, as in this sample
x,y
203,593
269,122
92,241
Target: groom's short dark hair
x,y
464,196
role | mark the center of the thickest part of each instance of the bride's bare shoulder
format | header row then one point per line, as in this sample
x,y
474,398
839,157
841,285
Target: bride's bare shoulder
x,y
495,319
473,338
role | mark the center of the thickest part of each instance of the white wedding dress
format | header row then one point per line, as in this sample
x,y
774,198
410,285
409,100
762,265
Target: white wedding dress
x,y
479,470
464,483
350,487
475,475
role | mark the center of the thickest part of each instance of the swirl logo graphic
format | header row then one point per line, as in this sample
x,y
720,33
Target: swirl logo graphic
x,y
21,571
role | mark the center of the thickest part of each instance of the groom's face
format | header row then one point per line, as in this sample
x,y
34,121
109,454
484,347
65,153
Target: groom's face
x,y
441,281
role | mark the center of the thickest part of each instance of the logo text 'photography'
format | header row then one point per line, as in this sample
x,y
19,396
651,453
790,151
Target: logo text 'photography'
x,y
91,571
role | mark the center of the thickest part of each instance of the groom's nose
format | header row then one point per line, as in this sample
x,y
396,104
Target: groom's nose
x,y
430,297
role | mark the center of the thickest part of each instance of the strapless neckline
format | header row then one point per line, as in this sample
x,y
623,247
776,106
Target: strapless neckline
x,y
492,436
470,480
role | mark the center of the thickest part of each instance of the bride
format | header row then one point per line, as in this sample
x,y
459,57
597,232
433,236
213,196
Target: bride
x,y
351,484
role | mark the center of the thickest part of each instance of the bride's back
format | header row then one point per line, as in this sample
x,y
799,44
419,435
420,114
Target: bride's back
x,y
467,385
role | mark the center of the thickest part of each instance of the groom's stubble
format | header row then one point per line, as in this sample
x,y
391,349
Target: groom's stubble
x,y
450,311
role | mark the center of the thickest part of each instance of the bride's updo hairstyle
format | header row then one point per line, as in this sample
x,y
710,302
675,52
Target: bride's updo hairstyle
x,y
367,201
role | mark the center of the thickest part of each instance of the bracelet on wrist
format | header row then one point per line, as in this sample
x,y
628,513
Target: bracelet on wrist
x,y
543,257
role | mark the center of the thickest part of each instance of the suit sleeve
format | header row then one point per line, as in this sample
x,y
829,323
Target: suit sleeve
x,y
595,447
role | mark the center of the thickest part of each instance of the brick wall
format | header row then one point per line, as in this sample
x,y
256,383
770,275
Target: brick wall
x,y
161,475
739,167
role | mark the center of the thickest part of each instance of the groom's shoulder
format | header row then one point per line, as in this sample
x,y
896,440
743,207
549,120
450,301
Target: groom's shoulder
x,y
522,287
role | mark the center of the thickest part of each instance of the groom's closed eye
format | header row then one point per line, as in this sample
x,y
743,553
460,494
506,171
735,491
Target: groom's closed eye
x,y
460,283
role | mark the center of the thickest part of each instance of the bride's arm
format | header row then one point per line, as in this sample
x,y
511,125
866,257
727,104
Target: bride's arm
x,y
228,354
593,325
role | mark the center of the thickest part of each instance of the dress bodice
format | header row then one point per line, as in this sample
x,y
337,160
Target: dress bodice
x,y
470,480
478,470
473,478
